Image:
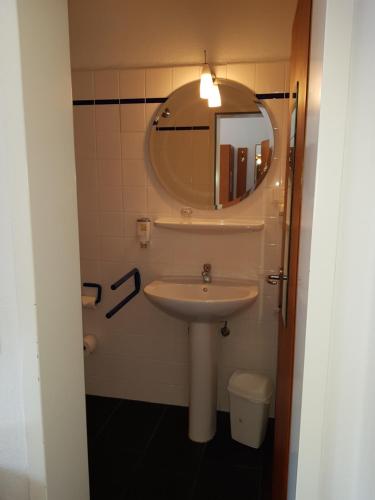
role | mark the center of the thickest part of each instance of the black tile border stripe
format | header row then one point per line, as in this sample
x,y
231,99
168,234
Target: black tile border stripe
x,y
133,101
82,102
136,100
150,100
106,101
157,100
193,127
274,95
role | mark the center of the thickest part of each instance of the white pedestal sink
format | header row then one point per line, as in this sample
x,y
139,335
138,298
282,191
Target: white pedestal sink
x,y
203,306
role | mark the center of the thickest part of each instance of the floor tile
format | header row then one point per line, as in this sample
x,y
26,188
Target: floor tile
x,y
159,483
170,468
224,450
98,410
219,482
141,451
171,447
110,472
132,425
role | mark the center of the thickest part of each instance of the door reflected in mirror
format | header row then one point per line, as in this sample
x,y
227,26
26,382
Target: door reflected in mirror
x,y
243,155
211,158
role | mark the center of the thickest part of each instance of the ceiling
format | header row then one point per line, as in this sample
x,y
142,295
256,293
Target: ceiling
x,y
130,33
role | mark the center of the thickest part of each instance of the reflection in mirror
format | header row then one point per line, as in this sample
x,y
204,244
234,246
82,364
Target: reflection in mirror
x,y
242,154
211,158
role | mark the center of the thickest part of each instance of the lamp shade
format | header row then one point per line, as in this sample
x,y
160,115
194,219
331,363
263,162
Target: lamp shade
x,y
214,99
206,82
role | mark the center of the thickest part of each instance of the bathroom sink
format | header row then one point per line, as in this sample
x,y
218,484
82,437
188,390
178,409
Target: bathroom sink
x,y
193,300
203,306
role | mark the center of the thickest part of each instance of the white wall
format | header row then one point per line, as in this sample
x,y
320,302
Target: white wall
x,y
22,469
348,460
43,438
327,100
143,352
141,33
333,448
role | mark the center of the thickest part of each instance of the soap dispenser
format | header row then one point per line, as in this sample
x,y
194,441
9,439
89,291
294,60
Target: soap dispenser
x,y
144,231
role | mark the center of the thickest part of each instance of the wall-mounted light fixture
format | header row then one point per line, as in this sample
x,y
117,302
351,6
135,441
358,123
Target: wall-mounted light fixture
x,y
209,89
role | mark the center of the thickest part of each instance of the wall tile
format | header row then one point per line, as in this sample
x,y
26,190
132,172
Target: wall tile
x,y
110,272
132,83
84,119
158,82
287,77
134,173
220,71
112,248
89,247
107,118
242,73
270,77
129,223
181,75
110,198
135,199
88,200
87,175
111,224
150,112
106,84
88,224
156,201
272,256
133,145
110,172
90,271
133,117
83,85
84,132
108,145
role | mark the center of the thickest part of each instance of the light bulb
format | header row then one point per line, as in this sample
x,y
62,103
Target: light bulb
x,y
206,82
214,99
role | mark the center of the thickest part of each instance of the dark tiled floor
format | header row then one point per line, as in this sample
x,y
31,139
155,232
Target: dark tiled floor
x,y
140,451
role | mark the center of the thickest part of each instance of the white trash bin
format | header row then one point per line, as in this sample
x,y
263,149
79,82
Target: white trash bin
x,y
250,397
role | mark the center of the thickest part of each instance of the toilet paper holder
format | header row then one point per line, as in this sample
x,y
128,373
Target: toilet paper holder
x,y
98,290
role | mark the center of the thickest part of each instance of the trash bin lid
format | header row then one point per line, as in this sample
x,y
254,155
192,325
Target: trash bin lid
x,y
250,386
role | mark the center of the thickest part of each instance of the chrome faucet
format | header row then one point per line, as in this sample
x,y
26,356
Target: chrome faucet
x,y
206,273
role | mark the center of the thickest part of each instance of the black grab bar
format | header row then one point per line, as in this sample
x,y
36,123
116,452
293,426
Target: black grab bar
x,y
137,284
98,290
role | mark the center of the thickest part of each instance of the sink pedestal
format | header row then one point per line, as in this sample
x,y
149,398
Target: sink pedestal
x,y
203,305
203,381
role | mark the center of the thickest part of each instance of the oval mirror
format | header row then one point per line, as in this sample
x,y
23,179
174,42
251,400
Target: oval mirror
x,y
211,158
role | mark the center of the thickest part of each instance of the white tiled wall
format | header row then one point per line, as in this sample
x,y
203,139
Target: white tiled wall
x,y
143,353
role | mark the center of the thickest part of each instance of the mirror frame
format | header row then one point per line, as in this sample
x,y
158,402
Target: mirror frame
x,y
215,206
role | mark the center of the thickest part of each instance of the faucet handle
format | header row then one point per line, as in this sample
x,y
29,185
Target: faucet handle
x,y
206,268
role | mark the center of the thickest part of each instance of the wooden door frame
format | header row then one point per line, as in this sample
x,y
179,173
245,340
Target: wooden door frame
x,y
284,391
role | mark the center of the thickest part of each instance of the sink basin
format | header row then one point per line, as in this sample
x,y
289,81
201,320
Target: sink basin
x,y
202,305
192,300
